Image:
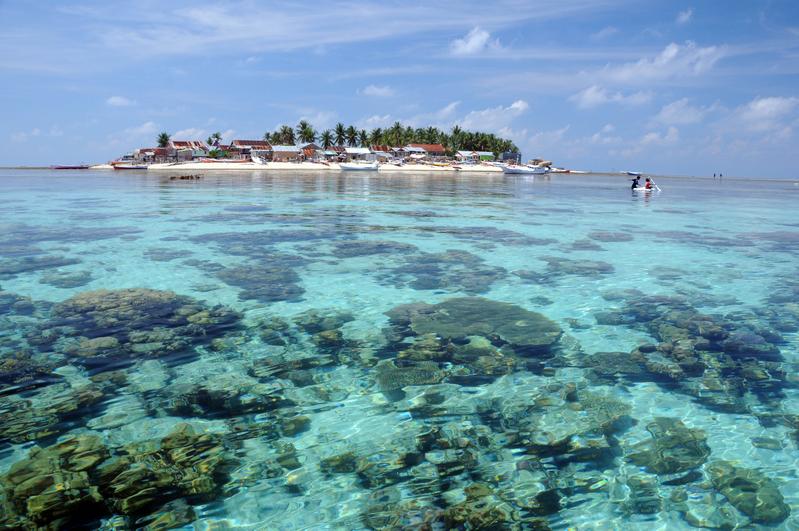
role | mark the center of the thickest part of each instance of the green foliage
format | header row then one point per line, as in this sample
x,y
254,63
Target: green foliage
x,y
396,135
326,138
217,154
163,139
214,138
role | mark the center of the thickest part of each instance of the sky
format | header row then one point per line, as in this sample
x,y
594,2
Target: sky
x,y
667,87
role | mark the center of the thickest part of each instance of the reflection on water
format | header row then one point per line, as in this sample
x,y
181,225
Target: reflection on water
x,y
333,351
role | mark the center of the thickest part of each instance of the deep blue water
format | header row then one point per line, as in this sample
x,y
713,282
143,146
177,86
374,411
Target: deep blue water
x,y
356,352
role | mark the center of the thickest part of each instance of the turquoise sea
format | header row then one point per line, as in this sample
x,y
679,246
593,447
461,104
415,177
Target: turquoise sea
x,y
335,351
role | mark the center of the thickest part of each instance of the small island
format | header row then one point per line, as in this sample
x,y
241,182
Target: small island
x,y
399,148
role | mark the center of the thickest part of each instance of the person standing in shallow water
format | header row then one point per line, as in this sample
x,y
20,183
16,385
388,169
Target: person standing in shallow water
x,y
636,184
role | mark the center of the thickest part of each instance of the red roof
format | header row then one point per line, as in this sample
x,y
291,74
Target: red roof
x,y
188,144
430,148
385,149
254,144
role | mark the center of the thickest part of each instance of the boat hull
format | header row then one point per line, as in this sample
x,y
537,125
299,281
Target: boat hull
x,y
352,166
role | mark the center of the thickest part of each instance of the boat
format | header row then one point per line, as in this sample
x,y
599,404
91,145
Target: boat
x,y
258,160
126,166
358,165
633,173
71,167
518,169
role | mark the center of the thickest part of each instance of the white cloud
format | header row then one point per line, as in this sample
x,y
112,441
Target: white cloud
x,y
191,133
320,120
144,129
767,114
376,120
378,91
119,101
493,119
604,136
595,96
673,62
23,136
653,139
56,131
475,42
542,142
680,112
684,17
604,33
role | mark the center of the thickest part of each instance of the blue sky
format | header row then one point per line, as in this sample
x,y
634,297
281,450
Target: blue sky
x,y
687,88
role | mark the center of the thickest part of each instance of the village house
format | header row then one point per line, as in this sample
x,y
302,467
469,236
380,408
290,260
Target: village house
x,y
432,150
311,151
188,149
152,155
286,153
358,153
243,149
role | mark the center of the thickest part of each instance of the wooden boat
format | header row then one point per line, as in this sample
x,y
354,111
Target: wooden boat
x,y
358,165
518,169
126,166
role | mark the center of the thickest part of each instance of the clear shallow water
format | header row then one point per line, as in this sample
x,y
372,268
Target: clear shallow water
x,y
326,413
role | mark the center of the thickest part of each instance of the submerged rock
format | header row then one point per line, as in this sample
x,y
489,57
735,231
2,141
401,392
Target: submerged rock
x,y
66,279
674,447
392,378
97,326
48,413
476,316
749,491
52,488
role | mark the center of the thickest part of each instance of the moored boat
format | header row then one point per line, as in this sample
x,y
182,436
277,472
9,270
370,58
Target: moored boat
x,y
358,165
126,166
70,167
518,169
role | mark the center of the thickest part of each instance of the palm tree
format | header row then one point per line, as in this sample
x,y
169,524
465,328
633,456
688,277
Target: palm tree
x,y
395,134
268,137
326,138
214,139
286,134
163,139
305,132
340,133
352,136
376,137
363,138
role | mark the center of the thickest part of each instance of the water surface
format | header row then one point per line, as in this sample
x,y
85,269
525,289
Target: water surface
x,y
574,354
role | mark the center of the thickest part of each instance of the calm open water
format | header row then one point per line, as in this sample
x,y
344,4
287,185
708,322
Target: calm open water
x,y
398,352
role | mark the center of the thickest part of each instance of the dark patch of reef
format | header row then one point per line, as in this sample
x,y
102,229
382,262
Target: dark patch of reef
x,y
79,480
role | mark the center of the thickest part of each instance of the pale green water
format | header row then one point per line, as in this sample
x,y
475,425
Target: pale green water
x,y
498,434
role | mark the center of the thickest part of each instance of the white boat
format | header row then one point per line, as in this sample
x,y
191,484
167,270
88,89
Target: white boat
x,y
257,160
358,165
526,169
633,173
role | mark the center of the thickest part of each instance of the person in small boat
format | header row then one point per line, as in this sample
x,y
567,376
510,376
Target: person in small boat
x,y
648,184
636,182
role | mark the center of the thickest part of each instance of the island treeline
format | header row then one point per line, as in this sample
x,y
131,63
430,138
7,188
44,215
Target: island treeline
x,y
396,135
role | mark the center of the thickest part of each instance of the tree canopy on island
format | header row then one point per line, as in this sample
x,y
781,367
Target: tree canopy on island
x,y
396,135
163,139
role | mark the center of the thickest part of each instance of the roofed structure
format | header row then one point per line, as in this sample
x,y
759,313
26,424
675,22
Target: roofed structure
x,y
194,145
431,149
258,145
